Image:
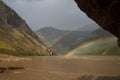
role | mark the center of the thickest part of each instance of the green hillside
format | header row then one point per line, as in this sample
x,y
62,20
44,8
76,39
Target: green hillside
x,y
49,35
106,46
99,42
60,40
16,38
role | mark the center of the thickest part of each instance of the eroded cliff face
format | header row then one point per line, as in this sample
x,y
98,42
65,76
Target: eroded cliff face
x,y
105,12
16,38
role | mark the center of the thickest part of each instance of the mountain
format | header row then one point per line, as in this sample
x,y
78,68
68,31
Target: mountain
x,y
96,34
99,42
96,42
101,39
90,26
49,34
16,38
58,39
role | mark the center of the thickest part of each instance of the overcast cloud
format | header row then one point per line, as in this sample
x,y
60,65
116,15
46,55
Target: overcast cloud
x,y
62,14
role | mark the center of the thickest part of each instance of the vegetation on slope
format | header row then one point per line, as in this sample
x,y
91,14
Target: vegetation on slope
x,y
16,38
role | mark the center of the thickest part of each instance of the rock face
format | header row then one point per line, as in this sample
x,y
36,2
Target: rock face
x,y
105,12
16,38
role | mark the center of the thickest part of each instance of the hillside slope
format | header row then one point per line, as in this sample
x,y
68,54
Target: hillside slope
x,y
99,42
49,34
16,38
60,40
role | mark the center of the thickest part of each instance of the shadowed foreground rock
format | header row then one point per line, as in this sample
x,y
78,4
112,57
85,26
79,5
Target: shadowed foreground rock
x,y
105,12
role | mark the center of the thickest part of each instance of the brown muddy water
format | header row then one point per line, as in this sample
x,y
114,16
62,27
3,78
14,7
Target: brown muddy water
x,y
65,68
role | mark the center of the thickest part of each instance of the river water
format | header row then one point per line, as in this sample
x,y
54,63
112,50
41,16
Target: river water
x,y
63,68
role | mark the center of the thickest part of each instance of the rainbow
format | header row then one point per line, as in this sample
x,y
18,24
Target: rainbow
x,y
84,46
69,33
81,47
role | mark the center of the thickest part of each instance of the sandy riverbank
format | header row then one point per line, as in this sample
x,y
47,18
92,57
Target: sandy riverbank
x,y
9,58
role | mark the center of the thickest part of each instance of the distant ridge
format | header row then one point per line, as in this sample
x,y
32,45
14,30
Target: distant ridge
x,y
59,39
65,41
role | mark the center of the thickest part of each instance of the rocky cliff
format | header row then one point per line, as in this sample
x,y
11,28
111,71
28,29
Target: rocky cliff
x,y
16,38
105,12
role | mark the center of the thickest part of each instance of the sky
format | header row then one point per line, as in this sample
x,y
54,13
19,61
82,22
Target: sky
x,y
61,14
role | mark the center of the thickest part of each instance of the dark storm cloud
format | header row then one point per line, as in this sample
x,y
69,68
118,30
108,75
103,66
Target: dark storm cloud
x,y
62,14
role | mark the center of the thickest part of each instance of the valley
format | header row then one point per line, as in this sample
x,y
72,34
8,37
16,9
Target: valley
x,y
95,42
54,40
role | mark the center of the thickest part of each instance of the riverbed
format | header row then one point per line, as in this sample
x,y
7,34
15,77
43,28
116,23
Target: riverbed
x,y
64,68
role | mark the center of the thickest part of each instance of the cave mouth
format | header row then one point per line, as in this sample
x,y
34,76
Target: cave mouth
x,y
62,17
105,13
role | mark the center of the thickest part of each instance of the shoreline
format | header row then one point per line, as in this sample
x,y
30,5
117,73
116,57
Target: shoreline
x,y
9,58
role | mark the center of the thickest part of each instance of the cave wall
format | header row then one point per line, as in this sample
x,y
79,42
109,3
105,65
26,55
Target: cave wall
x,y
104,12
